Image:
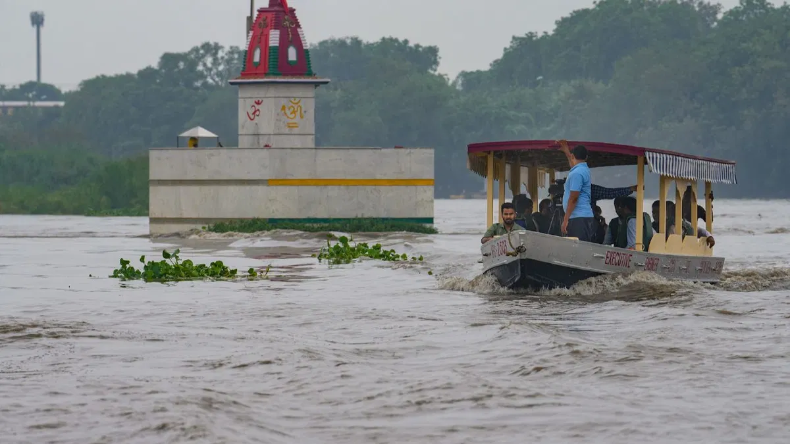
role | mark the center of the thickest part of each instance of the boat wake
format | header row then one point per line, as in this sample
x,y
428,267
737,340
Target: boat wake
x,y
634,286
750,280
629,287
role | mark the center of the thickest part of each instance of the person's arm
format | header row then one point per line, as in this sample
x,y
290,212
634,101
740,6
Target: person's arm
x,y
607,239
489,234
632,234
575,188
701,232
565,150
572,200
598,192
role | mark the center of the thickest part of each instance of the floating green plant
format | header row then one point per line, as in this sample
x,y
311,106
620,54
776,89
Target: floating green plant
x,y
343,252
171,268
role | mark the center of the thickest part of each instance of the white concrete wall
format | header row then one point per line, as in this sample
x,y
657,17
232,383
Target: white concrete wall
x,y
280,115
190,188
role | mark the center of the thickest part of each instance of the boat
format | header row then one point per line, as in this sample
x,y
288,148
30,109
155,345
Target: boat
x,y
533,260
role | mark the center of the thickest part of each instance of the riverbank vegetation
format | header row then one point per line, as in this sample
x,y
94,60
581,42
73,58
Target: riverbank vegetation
x,y
344,226
672,74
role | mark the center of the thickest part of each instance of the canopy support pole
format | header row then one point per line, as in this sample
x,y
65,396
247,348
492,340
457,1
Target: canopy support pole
x,y
678,207
515,176
709,207
502,169
490,189
532,182
640,199
663,185
693,216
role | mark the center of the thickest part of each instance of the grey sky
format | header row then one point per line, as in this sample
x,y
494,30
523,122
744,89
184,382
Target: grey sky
x,y
86,38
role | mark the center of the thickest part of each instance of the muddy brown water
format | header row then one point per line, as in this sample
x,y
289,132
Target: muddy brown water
x,y
377,353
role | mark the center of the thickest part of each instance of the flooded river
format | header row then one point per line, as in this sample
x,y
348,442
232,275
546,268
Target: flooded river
x,y
376,353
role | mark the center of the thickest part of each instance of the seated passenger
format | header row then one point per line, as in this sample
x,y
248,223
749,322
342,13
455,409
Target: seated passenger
x,y
508,224
614,224
657,216
542,217
523,206
687,229
626,232
600,231
701,214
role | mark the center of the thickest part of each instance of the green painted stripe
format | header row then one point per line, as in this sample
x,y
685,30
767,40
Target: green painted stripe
x,y
274,62
413,220
309,63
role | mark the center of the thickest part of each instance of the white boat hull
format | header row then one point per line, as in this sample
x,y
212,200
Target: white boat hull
x,y
535,260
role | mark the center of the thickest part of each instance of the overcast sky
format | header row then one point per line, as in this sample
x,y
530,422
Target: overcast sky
x,y
86,38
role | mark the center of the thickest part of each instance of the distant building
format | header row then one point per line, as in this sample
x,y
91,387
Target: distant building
x,y
7,108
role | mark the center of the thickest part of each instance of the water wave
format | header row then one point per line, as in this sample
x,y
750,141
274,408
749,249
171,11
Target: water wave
x,y
632,286
754,279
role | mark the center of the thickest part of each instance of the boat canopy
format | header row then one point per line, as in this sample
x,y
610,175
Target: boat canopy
x,y
545,154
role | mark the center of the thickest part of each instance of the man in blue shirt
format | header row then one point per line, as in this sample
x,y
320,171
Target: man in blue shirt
x,y
579,219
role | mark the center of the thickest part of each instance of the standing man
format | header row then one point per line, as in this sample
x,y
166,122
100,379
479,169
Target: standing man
x,y
579,220
508,224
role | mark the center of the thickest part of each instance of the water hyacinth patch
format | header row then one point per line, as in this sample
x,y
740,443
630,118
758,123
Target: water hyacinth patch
x,y
172,269
343,252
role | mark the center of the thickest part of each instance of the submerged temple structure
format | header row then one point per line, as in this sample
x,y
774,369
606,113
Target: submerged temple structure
x,y
277,173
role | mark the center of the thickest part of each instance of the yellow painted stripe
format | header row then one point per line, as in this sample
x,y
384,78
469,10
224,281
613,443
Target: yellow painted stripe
x,y
351,182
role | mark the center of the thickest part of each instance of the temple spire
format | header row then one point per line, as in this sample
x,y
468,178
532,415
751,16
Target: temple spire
x,y
276,45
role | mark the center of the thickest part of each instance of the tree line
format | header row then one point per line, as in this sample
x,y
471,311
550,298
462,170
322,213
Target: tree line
x,y
673,74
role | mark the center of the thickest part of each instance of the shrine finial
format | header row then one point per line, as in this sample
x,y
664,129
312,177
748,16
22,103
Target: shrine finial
x,y
276,3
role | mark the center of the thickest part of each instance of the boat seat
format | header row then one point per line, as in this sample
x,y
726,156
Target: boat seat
x,y
674,244
657,245
691,247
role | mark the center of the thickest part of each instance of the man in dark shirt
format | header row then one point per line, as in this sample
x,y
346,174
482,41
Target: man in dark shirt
x,y
542,217
523,208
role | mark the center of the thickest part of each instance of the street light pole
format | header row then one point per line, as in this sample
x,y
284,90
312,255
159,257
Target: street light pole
x,y
250,18
37,21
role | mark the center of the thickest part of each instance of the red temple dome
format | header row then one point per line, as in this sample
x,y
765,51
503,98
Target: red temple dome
x,y
276,46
